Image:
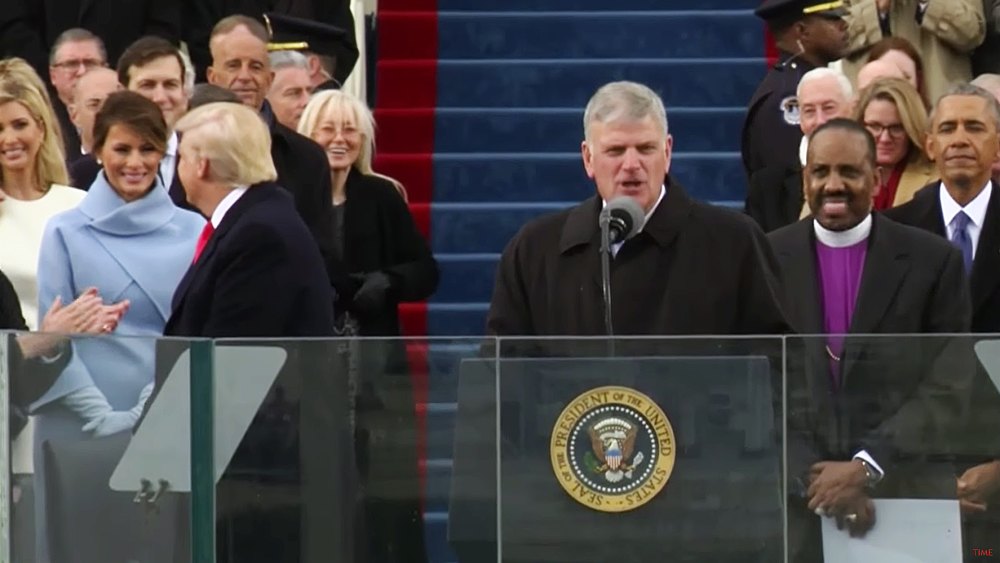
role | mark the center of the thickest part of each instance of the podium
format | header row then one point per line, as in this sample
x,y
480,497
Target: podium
x,y
638,458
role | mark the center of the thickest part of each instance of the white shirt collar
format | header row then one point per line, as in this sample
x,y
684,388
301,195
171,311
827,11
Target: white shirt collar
x,y
226,204
975,209
803,150
840,239
663,192
172,145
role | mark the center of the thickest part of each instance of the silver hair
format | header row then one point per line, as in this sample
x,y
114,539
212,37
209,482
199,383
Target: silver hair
x,y
76,35
624,100
968,89
823,72
288,59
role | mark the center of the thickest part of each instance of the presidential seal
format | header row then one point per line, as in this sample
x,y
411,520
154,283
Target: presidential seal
x,y
612,449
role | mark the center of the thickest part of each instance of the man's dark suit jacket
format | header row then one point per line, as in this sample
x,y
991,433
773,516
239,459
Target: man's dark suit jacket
x,y
980,443
304,171
775,197
84,170
200,16
900,399
29,28
261,276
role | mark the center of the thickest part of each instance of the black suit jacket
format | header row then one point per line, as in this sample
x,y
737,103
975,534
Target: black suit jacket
x,y
259,247
981,441
261,276
84,170
900,399
200,16
28,28
304,171
775,197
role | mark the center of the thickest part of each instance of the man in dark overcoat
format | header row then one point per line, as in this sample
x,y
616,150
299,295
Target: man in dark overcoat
x,y
692,269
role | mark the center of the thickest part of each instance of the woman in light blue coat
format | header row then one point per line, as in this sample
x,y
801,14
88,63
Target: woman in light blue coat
x,y
127,239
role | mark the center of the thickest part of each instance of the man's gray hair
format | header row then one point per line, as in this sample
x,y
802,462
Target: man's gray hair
x,y
76,35
288,59
629,101
824,72
969,89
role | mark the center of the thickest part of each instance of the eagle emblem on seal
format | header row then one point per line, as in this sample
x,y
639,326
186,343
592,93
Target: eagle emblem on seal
x,y
612,442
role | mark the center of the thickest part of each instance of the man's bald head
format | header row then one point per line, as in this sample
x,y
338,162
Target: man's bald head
x,y
874,70
89,94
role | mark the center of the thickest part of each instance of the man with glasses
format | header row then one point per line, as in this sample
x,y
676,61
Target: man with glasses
x,y
75,52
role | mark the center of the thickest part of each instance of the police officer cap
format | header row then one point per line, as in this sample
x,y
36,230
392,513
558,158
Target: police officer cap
x,y
771,9
297,34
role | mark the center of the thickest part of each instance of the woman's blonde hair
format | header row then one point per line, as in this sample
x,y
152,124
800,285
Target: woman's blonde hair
x,y
909,105
234,139
20,83
325,102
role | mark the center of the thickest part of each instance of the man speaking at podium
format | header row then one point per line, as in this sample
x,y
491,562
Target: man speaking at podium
x,y
685,268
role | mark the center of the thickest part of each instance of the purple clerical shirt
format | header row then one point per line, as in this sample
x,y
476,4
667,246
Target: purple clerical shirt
x,y
840,271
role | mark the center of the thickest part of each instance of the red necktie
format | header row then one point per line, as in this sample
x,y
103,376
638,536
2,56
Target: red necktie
x,y
206,234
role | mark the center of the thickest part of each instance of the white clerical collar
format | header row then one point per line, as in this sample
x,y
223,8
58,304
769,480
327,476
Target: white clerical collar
x,y
226,204
840,239
663,192
975,209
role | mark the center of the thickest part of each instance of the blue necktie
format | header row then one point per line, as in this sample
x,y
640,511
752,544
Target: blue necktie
x,y
960,238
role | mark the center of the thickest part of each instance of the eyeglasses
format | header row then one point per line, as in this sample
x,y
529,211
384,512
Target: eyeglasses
x,y
895,130
87,64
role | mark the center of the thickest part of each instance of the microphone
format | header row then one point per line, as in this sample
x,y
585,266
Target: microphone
x,y
620,220
624,218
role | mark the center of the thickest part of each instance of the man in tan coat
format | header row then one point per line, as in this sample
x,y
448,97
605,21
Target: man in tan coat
x,y
944,31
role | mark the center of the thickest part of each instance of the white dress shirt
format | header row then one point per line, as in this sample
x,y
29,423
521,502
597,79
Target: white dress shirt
x,y
226,204
168,165
975,209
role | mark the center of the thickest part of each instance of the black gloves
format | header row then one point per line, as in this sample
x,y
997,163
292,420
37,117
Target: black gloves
x,y
373,293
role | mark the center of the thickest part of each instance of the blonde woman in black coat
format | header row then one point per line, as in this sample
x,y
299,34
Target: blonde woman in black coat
x,y
384,260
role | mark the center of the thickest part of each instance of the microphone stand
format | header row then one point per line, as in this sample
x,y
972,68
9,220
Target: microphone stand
x,y
604,222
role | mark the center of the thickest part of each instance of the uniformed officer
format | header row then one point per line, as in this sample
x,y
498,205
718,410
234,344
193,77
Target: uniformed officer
x,y
331,50
809,33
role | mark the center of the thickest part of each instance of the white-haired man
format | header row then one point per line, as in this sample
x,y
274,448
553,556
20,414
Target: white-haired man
x,y
775,196
544,282
291,87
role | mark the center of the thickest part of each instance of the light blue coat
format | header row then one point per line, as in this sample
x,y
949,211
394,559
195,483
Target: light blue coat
x,y
137,251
